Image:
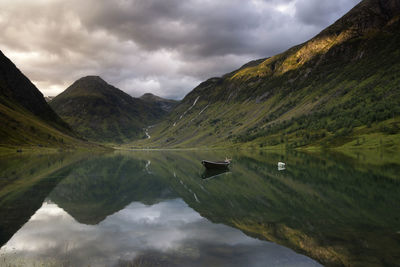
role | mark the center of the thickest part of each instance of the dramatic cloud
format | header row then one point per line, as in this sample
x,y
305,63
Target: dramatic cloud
x,y
165,47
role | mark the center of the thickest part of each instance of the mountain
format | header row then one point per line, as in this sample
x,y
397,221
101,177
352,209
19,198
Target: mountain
x,y
48,98
339,89
165,104
103,113
26,118
16,88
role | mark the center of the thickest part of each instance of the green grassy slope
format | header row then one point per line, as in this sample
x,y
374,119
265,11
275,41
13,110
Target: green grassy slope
x,y
340,89
100,112
20,129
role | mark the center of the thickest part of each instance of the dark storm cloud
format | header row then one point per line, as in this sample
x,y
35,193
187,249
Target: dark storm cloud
x,y
204,28
166,47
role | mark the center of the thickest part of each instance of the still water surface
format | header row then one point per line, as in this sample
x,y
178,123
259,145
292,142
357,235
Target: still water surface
x,y
160,208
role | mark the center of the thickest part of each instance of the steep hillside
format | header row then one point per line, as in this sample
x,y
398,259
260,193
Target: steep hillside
x,y
103,113
341,88
26,118
16,88
165,104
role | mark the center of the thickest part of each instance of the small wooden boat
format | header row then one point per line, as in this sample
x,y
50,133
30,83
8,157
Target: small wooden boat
x,y
216,164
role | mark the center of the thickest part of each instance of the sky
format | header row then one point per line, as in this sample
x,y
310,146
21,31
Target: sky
x,y
166,47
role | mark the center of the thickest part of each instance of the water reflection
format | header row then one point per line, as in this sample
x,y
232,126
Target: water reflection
x,y
335,210
105,184
25,181
212,173
167,233
155,208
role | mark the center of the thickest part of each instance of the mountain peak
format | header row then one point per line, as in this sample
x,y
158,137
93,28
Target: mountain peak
x,y
155,98
151,97
147,95
367,15
165,104
92,79
93,86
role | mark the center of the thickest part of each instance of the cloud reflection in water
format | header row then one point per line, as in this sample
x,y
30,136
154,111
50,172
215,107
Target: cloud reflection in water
x,y
167,233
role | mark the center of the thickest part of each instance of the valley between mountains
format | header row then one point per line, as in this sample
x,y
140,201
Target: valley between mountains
x,y
339,90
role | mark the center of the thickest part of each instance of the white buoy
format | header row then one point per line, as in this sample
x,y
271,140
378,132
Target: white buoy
x,y
281,166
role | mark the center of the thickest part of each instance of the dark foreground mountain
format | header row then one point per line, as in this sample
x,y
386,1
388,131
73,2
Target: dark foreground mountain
x,y
341,88
26,118
100,112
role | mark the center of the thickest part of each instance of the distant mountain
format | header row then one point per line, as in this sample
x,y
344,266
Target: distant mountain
x,y
165,104
26,118
103,113
339,89
48,98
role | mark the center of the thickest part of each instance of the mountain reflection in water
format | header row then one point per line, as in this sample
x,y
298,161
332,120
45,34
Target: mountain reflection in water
x,y
117,209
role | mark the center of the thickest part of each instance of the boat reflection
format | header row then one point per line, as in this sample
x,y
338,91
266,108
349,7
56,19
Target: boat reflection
x,y
212,173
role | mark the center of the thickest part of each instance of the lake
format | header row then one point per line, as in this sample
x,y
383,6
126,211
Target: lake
x,y
161,208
